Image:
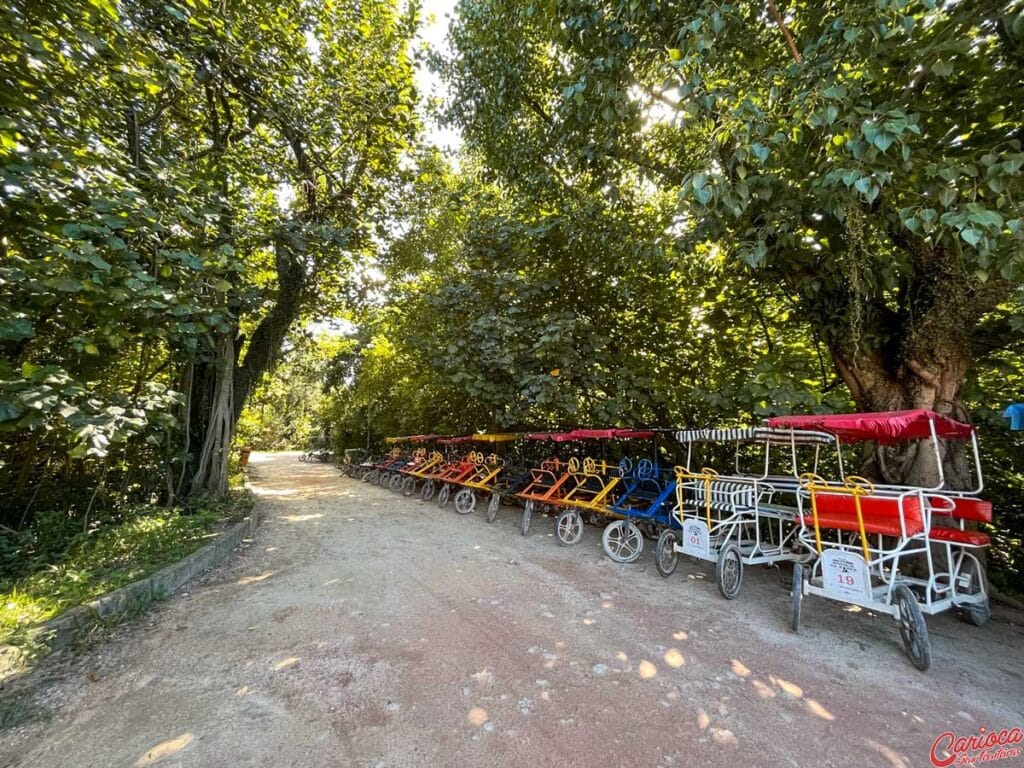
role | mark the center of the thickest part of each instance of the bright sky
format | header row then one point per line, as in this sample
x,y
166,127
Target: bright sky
x,y
436,17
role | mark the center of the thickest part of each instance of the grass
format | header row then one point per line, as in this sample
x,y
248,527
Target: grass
x,y
146,540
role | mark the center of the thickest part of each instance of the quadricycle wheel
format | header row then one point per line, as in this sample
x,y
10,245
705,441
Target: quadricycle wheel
x,y
443,494
427,491
492,507
729,571
524,524
913,631
622,541
569,527
666,558
465,501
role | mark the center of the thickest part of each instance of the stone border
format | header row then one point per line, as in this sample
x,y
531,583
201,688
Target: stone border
x,y
60,632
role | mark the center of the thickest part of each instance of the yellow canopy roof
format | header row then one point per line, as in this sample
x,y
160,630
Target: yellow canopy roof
x,y
495,438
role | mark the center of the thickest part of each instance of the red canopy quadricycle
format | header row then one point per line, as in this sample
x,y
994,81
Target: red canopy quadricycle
x,y
899,549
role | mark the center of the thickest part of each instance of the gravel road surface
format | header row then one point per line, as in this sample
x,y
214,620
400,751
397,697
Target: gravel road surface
x,y
362,628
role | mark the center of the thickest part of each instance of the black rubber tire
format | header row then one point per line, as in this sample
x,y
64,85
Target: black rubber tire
x,y
729,571
465,501
395,482
409,485
798,596
524,524
443,494
977,614
427,491
632,532
568,527
913,631
666,558
492,507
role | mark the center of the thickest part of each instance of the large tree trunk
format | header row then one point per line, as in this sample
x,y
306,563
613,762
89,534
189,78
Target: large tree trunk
x,y
909,386
211,474
265,344
912,350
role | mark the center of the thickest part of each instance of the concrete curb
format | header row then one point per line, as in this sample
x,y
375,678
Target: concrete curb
x,y
61,632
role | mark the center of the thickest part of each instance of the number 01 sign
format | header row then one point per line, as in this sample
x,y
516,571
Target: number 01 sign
x,y
845,574
696,539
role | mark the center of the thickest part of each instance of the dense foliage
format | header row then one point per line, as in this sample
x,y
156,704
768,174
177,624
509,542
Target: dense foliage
x,y
182,183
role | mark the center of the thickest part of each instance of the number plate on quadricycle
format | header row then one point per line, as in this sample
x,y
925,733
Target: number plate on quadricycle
x,y
845,575
696,539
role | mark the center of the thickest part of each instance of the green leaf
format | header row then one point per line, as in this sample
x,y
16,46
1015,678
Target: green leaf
x,y
16,329
971,236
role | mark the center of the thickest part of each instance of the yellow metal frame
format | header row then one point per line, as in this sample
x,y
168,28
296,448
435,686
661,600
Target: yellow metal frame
x,y
707,475
491,465
854,486
432,461
589,469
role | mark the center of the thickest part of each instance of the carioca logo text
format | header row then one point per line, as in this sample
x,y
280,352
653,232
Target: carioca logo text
x,y
993,745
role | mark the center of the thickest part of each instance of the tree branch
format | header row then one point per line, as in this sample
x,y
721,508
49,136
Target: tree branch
x,y
780,22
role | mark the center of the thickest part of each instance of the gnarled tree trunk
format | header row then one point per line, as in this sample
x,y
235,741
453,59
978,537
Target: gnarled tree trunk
x,y
211,474
921,349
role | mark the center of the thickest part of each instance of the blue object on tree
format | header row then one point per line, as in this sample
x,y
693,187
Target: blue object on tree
x,y
1015,413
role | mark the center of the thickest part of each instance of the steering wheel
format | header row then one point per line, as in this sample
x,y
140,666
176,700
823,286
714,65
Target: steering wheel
x,y
645,469
589,466
625,466
574,465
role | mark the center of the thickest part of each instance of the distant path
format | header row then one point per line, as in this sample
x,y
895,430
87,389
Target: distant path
x,y
366,629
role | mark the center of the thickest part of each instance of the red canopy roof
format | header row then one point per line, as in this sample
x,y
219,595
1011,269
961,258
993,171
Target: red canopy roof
x,y
887,427
558,437
593,434
451,440
605,434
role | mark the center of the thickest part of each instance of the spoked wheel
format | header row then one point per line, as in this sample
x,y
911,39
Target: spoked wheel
x,y
427,492
302,457
622,541
385,479
729,573
409,486
527,514
569,527
913,631
665,556
492,507
465,501
798,595
371,476
395,482
443,494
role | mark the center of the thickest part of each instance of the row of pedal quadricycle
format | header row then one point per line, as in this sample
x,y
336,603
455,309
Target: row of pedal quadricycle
x,y
774,495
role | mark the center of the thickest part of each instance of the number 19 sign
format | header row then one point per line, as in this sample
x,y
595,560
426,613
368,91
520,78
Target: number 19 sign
x,y
845,575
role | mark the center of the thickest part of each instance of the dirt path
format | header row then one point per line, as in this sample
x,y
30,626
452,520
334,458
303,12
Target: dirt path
x,y
366,629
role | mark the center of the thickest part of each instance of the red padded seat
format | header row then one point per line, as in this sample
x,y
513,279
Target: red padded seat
x,y
956,536
972,509
881,514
